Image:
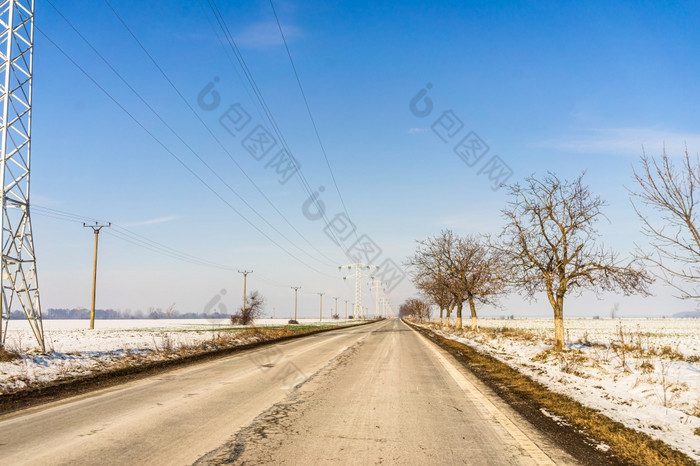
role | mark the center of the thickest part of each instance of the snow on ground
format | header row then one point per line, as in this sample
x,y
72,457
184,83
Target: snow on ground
x,y
74,350
644,373
651,383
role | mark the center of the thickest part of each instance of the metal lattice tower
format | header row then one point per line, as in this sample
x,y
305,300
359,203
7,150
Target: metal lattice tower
x,y
390,312
376,285
19,279
357,309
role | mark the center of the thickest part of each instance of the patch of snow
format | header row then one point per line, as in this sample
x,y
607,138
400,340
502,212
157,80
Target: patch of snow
x,y
558,419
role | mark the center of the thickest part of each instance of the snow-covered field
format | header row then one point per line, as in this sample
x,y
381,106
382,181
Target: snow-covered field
x,y
644,373
682,335
74,350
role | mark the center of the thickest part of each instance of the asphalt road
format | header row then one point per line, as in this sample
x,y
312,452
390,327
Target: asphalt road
x,y
375,394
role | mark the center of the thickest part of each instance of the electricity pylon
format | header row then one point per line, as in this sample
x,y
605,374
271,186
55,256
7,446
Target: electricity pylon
x,y
376,284
357,309
386,308
18,268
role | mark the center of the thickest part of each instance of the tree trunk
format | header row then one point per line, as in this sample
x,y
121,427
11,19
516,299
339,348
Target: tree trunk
x,y
559,324
557,303
458,323
472,307
448,312
441,312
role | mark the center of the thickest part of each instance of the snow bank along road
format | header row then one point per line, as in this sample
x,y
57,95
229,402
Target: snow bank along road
x,y
370,394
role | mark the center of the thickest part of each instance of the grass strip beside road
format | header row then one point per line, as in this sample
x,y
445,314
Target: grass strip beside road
x,y
560,416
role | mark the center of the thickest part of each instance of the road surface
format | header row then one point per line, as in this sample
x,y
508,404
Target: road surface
x,y
374,394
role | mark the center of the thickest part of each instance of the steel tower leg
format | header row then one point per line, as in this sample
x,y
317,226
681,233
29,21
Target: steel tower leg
x,y
358,310
19,278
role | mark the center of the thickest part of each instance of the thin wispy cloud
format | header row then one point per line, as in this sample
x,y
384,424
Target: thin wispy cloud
x,y
625,141
417,130
154,221
266,34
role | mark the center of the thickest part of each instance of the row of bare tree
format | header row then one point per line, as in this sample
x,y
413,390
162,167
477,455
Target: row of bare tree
x,y
451,270
416,308
550,244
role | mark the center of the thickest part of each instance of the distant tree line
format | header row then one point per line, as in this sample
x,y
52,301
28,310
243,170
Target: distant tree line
x,y
109,314
416,308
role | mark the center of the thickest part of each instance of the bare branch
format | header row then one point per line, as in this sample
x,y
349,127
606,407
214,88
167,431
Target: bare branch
x,y
671,193
549,241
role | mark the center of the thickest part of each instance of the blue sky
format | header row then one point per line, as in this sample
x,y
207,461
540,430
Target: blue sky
x,y
546,85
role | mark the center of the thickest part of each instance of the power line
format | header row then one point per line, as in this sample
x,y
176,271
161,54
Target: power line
x,y
177,134
211,133
308,109
178,159
124,234
130,237
263,104
270,281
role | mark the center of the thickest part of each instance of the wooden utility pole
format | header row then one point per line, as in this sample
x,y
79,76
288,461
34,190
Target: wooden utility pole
x,y
245,277
336,306
320,317
346,309
96,228
295,288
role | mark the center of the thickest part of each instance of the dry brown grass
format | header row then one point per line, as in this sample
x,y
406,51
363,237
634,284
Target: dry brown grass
x,y
627,445
7,356
165,345
513,333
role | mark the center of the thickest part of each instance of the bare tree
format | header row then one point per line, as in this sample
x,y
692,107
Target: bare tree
x,y
453,270
254,306
550,243
672,192
431,275
414,307
436,291
428,274
171,312
404,311
615,310
474,273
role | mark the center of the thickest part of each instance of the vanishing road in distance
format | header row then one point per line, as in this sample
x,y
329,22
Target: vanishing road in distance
x,y
373,394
